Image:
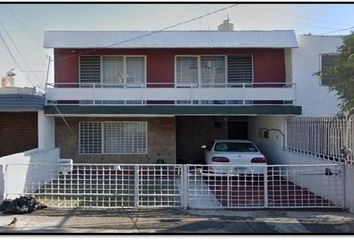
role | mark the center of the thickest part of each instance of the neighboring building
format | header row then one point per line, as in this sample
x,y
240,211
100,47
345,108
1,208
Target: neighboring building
x,y
314,53
137,97
21,110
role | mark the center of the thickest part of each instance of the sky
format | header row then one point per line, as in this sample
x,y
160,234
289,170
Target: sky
x,y
22,25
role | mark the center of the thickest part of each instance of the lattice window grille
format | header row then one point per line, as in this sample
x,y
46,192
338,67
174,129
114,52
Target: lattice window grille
x,y
113,138
90,137
90,69
240,69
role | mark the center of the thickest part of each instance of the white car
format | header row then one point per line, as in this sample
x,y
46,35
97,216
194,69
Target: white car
x,y
234,156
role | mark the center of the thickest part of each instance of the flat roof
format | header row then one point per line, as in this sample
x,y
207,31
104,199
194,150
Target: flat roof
x,y
14,99
170,39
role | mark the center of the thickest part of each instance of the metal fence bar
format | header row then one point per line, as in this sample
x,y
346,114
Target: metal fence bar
x,y
185,186
265,188
136,186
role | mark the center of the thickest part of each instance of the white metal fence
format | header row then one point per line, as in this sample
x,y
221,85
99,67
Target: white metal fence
x,y
321,137
275,186
193,186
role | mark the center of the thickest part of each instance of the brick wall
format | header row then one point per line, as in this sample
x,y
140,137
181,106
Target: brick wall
x,y
18,132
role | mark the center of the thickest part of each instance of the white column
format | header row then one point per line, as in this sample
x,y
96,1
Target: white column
x,y
46,131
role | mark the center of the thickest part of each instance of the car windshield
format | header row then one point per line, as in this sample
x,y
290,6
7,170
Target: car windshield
x,y
235,147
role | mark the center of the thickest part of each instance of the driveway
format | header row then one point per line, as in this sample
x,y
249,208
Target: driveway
x,y
178,221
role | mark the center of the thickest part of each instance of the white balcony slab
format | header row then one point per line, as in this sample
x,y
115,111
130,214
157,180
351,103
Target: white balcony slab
x,y
171,94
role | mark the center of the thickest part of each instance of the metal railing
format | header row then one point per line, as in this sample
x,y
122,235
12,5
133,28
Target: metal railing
x,y
169,85
322,137
174,185
271,93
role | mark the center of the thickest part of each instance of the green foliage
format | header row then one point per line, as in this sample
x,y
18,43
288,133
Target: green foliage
x,y
341,74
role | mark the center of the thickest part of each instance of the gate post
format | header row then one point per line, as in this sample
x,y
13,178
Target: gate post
x,y
184,186
228,187
344,186
265,185
136,186
4,171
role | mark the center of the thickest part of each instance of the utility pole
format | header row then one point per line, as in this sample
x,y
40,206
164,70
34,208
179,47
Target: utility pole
x,y
47,76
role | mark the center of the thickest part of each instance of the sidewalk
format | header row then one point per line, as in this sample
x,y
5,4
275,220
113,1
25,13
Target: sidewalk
x,y
177,221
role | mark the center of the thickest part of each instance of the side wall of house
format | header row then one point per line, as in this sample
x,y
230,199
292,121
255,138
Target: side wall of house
x,y
161,141
18,132
315,99
274,147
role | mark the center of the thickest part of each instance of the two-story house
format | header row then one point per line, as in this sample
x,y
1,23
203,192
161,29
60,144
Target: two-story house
x,y
137,97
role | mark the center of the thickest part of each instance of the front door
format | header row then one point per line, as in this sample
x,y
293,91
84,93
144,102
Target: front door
x,y
237,130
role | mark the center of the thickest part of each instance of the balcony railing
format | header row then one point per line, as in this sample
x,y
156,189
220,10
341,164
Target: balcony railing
x,y
277,93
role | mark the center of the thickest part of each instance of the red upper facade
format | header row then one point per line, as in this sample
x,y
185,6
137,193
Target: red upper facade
x,y
268,64
194,67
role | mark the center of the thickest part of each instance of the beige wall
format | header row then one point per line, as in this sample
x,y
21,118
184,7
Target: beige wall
x,y
161,141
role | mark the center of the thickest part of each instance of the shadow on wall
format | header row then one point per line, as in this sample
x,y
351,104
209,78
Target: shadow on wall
x,y
2,186
24,172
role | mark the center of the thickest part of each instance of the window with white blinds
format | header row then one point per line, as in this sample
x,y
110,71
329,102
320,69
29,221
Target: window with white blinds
x,y
205,70
125,137
212,70
135,67
113,70
113,138
240,69
118,70
187,70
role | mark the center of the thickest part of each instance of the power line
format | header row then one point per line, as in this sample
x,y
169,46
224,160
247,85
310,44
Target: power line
x,y
13,57
149,34
339,30
300,16
19,52
21,24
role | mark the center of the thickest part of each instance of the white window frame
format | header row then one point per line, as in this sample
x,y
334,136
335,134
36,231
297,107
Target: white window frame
x,y
102,138
124,67
199,68
320,67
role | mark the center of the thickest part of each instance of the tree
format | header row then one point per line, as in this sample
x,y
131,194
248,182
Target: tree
x,y
340,76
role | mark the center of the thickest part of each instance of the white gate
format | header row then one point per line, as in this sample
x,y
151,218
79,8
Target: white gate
x,y
173,185
273,186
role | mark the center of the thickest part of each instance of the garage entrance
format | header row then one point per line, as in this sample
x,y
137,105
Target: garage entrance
x,y
194,131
